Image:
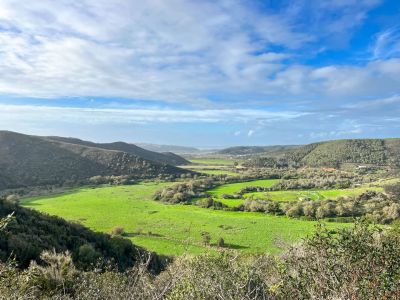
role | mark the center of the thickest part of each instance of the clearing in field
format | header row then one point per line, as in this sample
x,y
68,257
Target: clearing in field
x,y
170,229
287,195
232,188
214,161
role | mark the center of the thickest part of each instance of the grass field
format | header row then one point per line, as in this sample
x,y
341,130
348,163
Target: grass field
x,y
218,172
313,194
214,161
214,170
232,188
170,229
289,195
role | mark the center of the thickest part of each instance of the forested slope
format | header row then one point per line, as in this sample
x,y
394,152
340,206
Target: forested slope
x,y
164,158
30,161
378,152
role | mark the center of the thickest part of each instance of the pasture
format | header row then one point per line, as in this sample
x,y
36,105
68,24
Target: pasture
x,y
232,188
287,195
215,161
171,229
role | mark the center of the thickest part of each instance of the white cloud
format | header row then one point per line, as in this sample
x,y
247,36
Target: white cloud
x,y
250,133
387,43
178,50
46,114
171,50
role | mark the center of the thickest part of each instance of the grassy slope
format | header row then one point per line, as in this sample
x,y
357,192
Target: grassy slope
x,y
214,161
292,195
232,188
175,228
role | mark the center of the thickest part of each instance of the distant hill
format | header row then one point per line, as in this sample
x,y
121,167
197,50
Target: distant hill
x,y
164,158
30,161
169,148
250,150
382,152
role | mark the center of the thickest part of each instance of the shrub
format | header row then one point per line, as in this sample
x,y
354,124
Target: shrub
x,y
220,242
206,238
118,230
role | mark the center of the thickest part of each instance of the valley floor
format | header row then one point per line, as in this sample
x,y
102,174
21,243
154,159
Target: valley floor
x,y
172,229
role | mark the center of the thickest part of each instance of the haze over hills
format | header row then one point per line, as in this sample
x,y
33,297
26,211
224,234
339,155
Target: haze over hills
x,y
169,148
31,160
382,152
164,158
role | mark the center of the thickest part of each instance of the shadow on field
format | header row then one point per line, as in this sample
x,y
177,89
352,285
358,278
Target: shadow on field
x,y
234,246
133,234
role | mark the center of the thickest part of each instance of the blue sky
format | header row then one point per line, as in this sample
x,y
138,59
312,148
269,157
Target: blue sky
x,y
201,73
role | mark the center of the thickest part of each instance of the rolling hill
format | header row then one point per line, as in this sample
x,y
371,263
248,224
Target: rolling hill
x,y
169,148
164,158
251,150
378,152
30,161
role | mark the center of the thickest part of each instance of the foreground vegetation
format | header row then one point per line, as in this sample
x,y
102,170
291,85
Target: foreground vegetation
x,y
29,233
358,263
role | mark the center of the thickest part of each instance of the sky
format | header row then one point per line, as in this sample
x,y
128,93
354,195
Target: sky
x,y
209,73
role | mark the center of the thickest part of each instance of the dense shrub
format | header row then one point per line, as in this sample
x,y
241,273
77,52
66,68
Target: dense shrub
x,y
357,263
30,233
375,206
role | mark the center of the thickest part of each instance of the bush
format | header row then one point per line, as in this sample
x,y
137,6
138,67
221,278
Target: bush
x,y
393,191
357,263
220,242
118,230
206,238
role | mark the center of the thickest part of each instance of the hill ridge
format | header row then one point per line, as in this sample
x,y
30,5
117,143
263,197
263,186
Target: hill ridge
x,y
27,160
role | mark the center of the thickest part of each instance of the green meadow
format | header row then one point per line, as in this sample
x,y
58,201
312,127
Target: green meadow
x,y
232,188
294,195
214,161
170,229
216,170
289,195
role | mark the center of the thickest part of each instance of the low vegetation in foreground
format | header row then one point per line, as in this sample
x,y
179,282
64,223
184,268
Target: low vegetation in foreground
x,y
357,263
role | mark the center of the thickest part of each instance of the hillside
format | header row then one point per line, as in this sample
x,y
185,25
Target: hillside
x,y
164,158
251,150
29,161
379,152
31,232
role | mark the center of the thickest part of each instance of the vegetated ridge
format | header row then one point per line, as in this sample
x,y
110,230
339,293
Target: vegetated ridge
x,y
165,158
377,152
169,148
250,150
32,161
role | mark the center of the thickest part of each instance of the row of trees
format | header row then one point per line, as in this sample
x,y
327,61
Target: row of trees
x,y
375,206
290,179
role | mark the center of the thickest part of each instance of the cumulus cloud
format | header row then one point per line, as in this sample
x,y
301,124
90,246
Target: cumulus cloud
x,y
176,51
